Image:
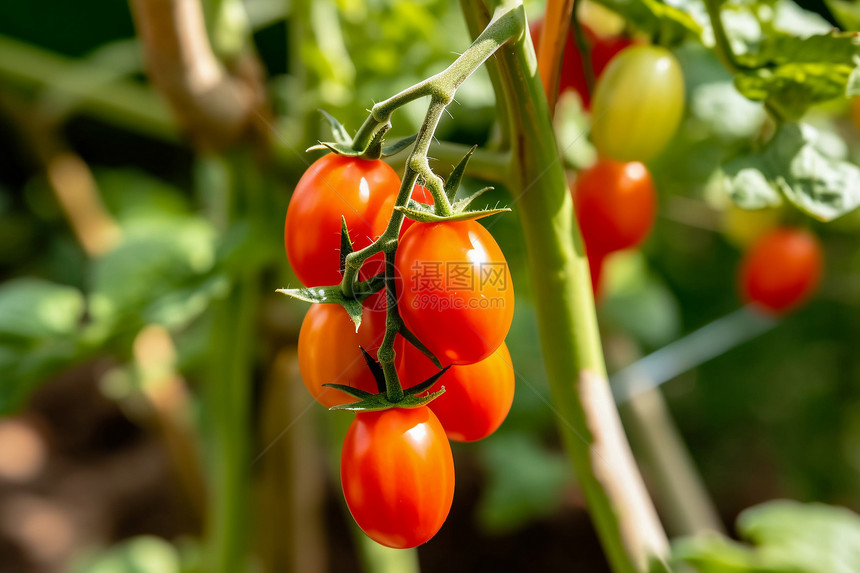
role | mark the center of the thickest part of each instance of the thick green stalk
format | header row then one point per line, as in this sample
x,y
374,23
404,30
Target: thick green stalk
x,y
228,388
588,420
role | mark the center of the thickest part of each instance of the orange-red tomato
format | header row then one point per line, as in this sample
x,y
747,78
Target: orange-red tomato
x,y
782,269
397,474
419,193
332,187
455,289
477,396
615,205
603,50
329,349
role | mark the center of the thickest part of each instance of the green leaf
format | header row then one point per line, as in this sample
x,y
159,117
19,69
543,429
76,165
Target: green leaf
x,y
525,481
338,131
345,244
145,554
344,149
847,13
787,537
375,402
155,258
791,73
658,19
794,164
463,204
34,309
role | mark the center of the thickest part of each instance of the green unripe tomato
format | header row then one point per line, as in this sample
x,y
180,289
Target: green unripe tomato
x,y
638,104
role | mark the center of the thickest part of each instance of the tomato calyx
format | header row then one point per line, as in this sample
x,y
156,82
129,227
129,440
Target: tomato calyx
x,y
334,295
413,397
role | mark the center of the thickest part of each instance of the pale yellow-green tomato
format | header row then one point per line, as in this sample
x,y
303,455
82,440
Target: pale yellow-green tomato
x,y
638,103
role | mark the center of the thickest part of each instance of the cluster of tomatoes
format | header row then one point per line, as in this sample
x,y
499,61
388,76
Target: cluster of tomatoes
x,y
453,293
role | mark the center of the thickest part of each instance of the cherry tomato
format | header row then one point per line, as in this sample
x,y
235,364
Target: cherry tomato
x,y
615,205
477,396
329,349
782,269
455,289
603,50
332,187
397,474
638,104
419,193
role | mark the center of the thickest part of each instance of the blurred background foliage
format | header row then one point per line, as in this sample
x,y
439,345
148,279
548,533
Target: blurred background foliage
x,y
775,417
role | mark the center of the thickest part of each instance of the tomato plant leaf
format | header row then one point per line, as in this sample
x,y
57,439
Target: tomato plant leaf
x,y
846,12
453,182
466,202
340,148
657,19
398,145
786,537
338,131
380,402
33,309
791,73
795,165
427,384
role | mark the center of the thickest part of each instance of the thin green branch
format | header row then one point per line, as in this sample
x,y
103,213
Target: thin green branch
x,y
721,39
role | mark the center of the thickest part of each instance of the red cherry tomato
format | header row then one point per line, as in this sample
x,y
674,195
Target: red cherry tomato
x,y
329,349
397,474
603,49
455,289
782,269
477,396
332,187
419,193
615,206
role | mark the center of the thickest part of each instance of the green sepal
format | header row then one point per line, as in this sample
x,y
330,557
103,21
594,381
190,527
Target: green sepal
x,y
375,369
376,402
426,385
463,204
338,131
398,145
333,295
425,217
413,340
453,182
345,244
354,392
374,149
344,149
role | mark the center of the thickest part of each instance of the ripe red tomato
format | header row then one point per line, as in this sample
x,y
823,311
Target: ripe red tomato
x,y
333,186
419,193
397,474
782,269
455,289
329,349
615,206
603,49
477,396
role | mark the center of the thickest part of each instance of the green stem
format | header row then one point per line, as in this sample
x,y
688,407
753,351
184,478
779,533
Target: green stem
x,y
493,166
721,38
588,421
96,88
228,401
584,49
